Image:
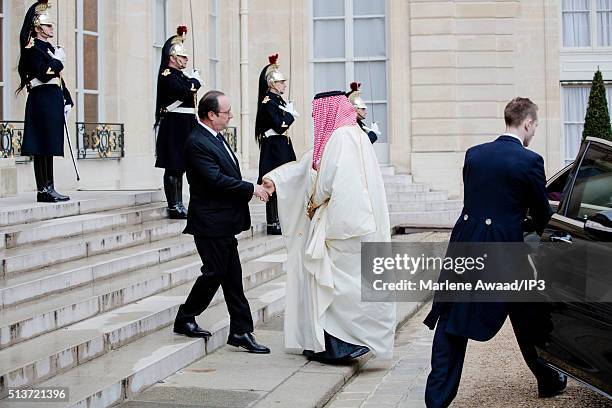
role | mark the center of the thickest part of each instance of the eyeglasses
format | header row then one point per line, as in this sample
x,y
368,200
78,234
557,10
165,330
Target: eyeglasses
x,y
227,112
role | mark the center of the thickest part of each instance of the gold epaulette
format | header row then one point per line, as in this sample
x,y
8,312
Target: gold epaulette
x,y
31,43
166,72
265,100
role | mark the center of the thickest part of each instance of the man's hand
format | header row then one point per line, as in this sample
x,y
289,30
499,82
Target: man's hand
x,y
67,110
290,110
261,193
269,186
59,54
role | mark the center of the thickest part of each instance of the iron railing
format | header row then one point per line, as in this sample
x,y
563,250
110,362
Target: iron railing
x,y
11,139
100,140
231,137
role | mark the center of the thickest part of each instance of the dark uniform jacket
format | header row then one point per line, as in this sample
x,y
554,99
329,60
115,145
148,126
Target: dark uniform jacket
x,y
275,150
371,135
219,198
502,182
174,128
44,115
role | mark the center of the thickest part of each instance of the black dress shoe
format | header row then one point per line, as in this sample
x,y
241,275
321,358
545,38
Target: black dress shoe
x,y
190,329
552,388
273,230
58,196
247,342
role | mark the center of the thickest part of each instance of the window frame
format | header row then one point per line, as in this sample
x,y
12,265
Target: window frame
x,y
593,46
576,84
80,90
349,60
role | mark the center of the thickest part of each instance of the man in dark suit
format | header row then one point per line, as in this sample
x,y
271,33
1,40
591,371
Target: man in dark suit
x,y
502,182
218,210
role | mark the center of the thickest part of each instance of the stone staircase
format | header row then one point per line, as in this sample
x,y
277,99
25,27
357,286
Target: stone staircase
x,y
89,288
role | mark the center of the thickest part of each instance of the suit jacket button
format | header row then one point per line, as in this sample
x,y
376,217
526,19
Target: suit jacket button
x,y
465,217
488,221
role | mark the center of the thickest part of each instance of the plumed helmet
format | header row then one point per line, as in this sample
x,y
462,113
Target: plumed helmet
x,y
354,96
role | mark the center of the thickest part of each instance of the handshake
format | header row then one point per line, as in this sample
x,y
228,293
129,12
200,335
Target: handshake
x,y
264,190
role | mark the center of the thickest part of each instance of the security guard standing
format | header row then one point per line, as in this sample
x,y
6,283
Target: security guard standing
x,y
360,106
49,102
274,117
175,117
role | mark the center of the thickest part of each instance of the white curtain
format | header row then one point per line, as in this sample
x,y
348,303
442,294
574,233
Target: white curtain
x,y
329,39
575,102
328,8
604,23
576,27
370,35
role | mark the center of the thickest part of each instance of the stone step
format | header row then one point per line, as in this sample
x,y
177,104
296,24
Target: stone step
x,y
425,219
398,178
23,208
31,319
400,187
79,225
34,360
422,196
387,170
441,205
32,285
38,255
128,370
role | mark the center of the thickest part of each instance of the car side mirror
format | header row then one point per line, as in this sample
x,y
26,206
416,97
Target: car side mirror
x,y
600,225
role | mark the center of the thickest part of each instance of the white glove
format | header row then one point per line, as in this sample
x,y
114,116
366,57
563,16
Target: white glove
x,y
374,128
59,54
195,74
67,110
290,110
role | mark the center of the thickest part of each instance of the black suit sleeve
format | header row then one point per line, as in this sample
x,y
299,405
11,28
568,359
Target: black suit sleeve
x,y
278,119
372,136
539,208
67,96
178,88
42,66
206,168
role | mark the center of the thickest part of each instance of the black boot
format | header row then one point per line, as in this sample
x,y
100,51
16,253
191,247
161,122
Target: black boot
x,y
273,227
170,188
179,196
50,182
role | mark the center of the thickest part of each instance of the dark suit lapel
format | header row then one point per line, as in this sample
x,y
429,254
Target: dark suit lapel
x,y
222,152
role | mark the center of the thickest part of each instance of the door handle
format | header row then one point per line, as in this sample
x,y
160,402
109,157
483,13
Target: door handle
x,y
567,238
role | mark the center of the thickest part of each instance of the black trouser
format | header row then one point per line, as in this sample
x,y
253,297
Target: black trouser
x,y
43,171
448,354
221,267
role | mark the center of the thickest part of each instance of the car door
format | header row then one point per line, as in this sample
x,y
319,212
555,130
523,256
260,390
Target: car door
x,y
580,340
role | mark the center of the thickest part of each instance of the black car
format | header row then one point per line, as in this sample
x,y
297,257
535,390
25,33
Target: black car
x,y
579,338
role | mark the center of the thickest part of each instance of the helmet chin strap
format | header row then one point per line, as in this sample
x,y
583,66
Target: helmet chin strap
x,y
275,88
43,33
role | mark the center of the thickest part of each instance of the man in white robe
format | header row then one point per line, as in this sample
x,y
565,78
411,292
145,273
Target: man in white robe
x,y
324,314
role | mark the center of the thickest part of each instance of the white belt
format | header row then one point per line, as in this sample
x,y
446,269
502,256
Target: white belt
x,y
190,111
53,81
175,108
271,132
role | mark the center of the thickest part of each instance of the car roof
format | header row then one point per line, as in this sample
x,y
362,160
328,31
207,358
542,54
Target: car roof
x,y
599,140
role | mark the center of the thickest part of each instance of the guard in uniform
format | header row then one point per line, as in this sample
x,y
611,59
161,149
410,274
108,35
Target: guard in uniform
x,y
360,106
175,117
49,102
274,117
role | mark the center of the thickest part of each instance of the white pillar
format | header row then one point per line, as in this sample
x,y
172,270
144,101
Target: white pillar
x,y
245,135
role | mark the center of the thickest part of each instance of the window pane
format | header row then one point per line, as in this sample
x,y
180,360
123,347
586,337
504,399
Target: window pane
x,y
213,75
91,108
575,100
378,113
1,48
376,73
329,76
369,37
576,27
2,103
90,15
329,39
368,7
160,22
328,8
604,23
592,191
212,36
90,61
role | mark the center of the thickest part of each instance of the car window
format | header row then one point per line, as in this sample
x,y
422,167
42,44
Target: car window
x,y
592,192
556,185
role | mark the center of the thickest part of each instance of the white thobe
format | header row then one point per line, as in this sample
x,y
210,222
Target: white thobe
x,y
324,262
